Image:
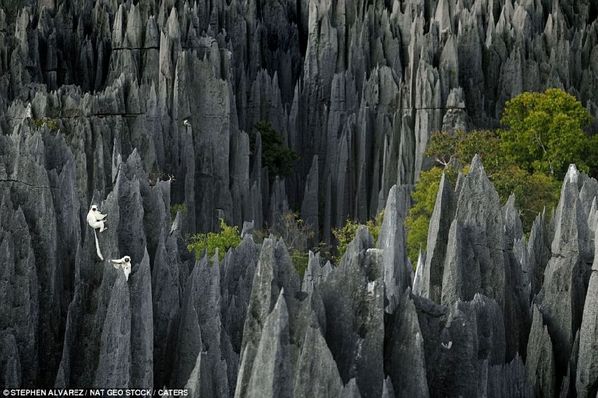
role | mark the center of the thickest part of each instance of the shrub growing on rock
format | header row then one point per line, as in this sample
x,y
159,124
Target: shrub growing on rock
x,y
228,237
345,234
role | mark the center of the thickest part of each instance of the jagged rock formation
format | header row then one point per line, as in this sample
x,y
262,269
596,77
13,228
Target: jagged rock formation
x,y
525,307
93,99
248,326
356,89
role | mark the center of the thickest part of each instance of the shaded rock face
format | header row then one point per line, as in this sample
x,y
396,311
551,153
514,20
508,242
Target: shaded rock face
x,y
139,106
505,300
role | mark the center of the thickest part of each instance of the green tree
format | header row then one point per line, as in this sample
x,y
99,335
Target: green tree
x,y
533,191
276,157
545,132
228,237
459,148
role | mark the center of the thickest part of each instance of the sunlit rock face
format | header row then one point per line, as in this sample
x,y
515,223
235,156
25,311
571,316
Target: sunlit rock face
x,y
140,106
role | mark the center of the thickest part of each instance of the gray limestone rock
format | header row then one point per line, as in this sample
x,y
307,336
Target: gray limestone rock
x,y
462,270
140,107
587,363
271,376
392,241
406,360
474,260
438,235
316,374
350,390
538,252
114,363
316,272
310,204
142,326
9,362
273,274
509,380
563,292
199,384
354,322
540,361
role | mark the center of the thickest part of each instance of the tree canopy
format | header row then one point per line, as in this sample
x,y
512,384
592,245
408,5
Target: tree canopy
x,y
545,133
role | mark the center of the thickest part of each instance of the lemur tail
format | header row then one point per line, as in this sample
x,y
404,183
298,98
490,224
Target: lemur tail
x,y
98,245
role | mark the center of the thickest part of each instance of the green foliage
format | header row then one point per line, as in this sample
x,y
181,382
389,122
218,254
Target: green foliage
x,y
546,133
345,234
300,261
227,238
276,157
533,191
52,124
375,225
459,148
177,207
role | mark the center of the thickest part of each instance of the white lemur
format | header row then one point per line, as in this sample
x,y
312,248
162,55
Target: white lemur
x,y
96,220
124,264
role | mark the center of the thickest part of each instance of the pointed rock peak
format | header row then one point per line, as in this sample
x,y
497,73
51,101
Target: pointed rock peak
x,y
134,27
133,157
392,192
351,390
418,280
455,98
443,16
362,240
593,217
512,220
314,165
117,29
176,224
444,185
476,165
152,36
510,205
172,25
317,374
589,190
281,304
572,174
459,183
145,261
387,389
421,258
